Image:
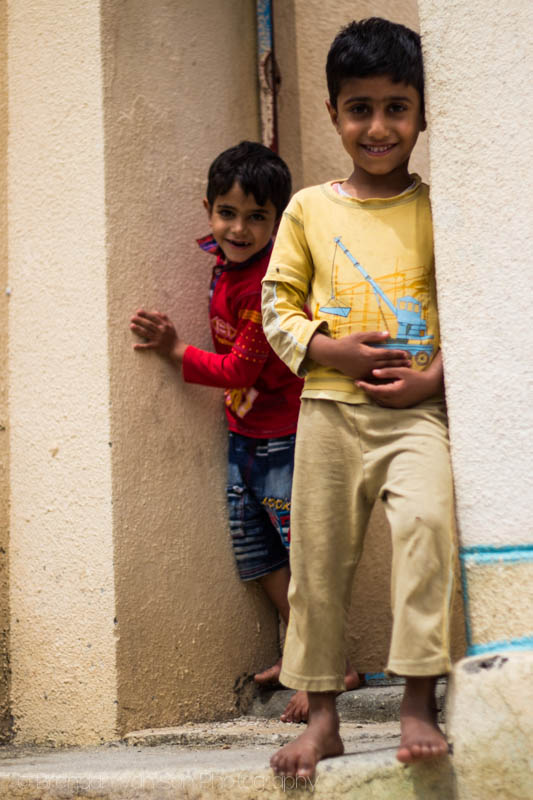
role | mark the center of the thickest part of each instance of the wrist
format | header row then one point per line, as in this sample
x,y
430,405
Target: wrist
x,y
433,382
177,353
321,348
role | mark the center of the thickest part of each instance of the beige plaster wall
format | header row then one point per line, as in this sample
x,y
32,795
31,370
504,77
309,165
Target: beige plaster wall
x,y
180,86
304,30
61,557
496,588
4,436
481,118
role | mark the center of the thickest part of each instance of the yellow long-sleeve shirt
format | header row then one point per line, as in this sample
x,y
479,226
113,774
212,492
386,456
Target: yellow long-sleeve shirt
x,y
359,265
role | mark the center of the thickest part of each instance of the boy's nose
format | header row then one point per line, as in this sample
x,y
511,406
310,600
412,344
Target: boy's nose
x,y
378,127
239,225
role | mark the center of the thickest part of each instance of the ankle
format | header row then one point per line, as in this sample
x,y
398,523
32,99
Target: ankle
x,y
323,708
419,693
424,686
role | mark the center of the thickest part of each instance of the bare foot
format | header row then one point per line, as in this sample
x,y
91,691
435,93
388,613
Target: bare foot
x,y
297,709
320,740
422,738
351,678
270,676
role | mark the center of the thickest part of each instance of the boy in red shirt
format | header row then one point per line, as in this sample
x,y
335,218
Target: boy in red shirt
x,y
248,189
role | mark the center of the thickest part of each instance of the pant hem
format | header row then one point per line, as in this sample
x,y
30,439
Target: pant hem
x,y
266,571
419,669
323,684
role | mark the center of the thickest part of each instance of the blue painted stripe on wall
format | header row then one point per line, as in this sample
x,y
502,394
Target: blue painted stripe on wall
x,y
488,555
487,548
524,643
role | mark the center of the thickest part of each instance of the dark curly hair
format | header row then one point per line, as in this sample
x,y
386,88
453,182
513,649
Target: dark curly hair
x,y
375,46
258,170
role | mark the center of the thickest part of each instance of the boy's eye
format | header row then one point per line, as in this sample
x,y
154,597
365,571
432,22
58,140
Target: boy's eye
x,y
257,216
225,213
397,108
359,108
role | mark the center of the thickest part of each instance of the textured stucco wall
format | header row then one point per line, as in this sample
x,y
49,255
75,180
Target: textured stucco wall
x,y
180,86
481,123
4,436
481,119
61,557
304,30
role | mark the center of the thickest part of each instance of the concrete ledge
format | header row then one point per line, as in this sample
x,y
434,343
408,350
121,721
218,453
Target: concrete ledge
x,y
490,723
221,768
261,733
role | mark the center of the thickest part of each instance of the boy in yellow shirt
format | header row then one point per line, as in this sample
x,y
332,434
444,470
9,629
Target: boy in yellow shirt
x,y
372,423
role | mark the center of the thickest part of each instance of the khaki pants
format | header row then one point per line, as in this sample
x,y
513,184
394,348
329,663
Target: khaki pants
x,y
346,457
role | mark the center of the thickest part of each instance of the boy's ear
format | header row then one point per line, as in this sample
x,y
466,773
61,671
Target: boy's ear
x,y
423,124
207,206
333,115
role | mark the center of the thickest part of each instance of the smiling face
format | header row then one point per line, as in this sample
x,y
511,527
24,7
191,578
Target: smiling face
x,y
379,122
240,225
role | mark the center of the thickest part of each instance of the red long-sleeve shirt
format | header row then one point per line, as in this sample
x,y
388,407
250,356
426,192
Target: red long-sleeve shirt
x,y
262,395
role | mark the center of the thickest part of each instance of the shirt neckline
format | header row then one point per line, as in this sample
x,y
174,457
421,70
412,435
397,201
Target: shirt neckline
x,y
372,202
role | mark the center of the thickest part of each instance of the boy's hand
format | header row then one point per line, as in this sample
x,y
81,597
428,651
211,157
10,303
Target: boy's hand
x,y
353,356
405,387
159,334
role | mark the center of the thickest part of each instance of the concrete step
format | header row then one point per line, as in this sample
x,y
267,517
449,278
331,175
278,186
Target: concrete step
x,y
368,704
217,761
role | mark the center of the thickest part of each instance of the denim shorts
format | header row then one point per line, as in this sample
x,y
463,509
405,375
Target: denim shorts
x,y
259,501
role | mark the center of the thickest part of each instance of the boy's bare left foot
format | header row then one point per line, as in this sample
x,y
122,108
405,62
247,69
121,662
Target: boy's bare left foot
x,y
297,709
321,739
422,738
270,676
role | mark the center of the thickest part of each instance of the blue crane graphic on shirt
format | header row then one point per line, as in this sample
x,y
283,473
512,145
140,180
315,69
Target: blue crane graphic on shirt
x,y
411,334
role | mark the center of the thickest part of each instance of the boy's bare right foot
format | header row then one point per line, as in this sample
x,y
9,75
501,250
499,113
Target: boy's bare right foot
x,y
422,739
297,709
321,739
